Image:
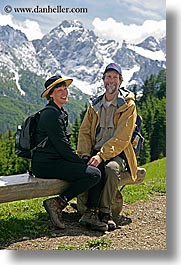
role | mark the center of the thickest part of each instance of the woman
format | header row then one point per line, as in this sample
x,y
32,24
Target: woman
x,y
58,159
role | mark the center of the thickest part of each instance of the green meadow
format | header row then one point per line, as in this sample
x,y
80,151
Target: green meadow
x,y
27,218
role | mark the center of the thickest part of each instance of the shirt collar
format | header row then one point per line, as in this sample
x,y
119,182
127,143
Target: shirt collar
x,y
114,101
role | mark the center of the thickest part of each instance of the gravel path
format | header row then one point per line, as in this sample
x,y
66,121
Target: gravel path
x,y
147,231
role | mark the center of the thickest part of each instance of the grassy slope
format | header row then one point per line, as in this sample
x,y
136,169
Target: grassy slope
x,y
154,183
28,218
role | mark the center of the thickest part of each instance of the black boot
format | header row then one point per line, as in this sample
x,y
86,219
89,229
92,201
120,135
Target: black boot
x,y
107,218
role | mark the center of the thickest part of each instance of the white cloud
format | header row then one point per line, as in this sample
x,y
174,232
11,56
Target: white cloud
x,y
107,29
149,8
29,27
111,29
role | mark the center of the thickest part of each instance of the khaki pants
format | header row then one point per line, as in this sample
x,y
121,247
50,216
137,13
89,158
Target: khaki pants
x,y
111,200
113,170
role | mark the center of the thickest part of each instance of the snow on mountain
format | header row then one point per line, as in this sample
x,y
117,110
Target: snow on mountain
x,y
11,37
78,53
27,56
153,55
127,74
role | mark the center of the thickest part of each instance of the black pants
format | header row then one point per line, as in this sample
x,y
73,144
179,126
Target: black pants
x,y
80,176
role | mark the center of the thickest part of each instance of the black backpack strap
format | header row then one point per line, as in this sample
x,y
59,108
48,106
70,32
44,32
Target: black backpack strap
x,y
44,141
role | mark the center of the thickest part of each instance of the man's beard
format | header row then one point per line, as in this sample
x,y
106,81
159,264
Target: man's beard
x,y
111,90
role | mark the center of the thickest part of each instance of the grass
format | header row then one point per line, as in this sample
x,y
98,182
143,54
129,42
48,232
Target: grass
x,y
154,183
97,244
27,219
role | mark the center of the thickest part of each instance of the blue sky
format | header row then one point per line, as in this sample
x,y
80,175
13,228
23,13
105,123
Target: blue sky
x,y
106,18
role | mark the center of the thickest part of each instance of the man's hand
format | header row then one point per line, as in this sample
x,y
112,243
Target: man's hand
x,y
94,161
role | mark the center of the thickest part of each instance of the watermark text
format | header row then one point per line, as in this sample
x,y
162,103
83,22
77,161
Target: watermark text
x,y
48,9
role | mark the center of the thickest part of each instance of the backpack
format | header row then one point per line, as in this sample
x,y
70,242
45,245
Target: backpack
x,y
25,145
137,138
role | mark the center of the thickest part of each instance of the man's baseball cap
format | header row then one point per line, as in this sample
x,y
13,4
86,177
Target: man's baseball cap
x,y
113,66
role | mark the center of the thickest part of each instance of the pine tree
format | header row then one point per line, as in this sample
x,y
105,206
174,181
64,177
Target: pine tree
x,y
75,132
144,156
158,137
161,81
9,162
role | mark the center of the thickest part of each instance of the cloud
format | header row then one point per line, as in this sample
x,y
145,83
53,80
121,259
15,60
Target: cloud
x,y
111,29
29,27
147,9
107,29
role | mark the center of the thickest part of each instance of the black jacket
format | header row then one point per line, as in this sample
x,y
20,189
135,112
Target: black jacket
x,y
54,124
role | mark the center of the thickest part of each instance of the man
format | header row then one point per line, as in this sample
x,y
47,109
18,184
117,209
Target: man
x,y
105,139
58,160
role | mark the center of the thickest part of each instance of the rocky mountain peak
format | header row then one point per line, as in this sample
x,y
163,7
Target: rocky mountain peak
x,y
150,43
12,37
78,53
75,24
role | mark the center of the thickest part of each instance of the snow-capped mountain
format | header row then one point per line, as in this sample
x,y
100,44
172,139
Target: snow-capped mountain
x,y
78,53
74,51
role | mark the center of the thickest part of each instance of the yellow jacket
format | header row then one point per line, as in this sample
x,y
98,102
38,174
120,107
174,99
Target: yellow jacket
x,y
124,121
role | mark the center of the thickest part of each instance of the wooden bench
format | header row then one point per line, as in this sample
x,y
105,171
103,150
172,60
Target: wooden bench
x,y
23,186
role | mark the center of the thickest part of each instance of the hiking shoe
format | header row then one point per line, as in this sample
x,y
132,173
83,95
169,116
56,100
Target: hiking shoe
x,y
123,220
107,218
91,220
54,207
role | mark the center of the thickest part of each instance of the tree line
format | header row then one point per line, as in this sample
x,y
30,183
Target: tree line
x,y
151,105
